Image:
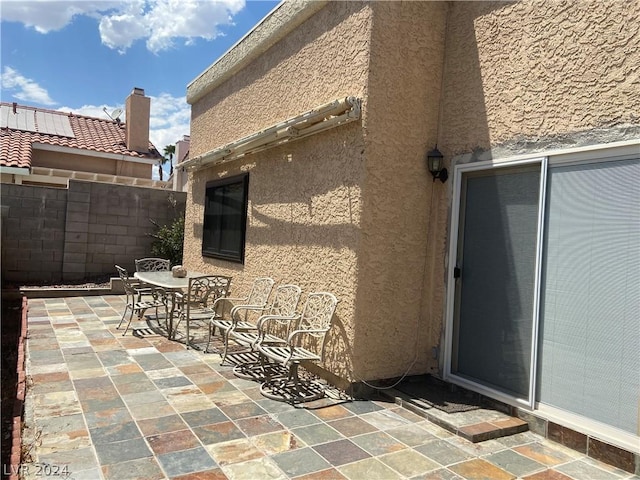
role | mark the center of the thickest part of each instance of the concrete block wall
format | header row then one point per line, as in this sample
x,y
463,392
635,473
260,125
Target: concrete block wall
x,y
51,235
33,233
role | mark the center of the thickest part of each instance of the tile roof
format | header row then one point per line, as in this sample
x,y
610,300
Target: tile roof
x,y
93,134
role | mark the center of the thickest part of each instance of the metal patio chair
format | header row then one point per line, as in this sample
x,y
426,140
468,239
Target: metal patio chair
x,y
305,343
201,300
271,328
139,299
152,264
256,301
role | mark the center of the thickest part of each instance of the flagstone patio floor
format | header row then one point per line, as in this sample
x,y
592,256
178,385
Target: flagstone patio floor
x,y
105,406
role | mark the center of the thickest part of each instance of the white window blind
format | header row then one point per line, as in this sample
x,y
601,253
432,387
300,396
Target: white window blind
x,y
589,354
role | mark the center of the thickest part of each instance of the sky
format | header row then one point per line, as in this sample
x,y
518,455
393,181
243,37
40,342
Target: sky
x,y
86,56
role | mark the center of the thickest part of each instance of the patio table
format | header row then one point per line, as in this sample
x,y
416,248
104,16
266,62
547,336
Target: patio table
x,y
171,285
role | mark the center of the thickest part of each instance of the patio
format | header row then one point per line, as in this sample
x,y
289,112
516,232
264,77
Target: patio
x,y
101,405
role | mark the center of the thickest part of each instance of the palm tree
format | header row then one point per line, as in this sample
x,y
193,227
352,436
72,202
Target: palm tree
x,y
168,152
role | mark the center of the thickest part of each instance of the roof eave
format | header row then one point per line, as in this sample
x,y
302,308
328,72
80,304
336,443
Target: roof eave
x,y
278,23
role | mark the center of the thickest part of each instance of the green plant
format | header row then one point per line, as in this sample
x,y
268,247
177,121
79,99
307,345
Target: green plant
x,y
168,241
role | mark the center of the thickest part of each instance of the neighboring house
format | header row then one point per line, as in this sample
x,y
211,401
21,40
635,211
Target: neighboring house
x,y
180,177
519,277
46,147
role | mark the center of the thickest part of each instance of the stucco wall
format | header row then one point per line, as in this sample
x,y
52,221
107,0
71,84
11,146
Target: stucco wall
x,y
400,277
83,163
304,199
531,73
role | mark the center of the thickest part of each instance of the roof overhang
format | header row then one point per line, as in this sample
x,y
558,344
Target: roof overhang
x,y
285,17
319,119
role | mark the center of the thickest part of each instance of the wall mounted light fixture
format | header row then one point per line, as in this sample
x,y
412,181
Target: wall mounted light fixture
x,y
435,160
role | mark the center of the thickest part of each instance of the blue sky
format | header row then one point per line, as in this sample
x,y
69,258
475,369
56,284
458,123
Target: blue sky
x,y
83,56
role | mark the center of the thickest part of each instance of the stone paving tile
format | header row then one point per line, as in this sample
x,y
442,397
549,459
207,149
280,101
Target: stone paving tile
x,y
370,469
108,406
204,417
141,469
352,426
115,433
584,470
110,453
242,410
440,474
443,452
172,441
514,463
411,435
296,418
234,451
317,433
479,469
341,452
254,426
409,463
276,442
378,443
261,468
300,461
154,426
213,474
186,461
218,432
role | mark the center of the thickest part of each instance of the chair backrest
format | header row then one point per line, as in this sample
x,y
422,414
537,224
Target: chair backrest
x,y
318,313
126,283
260,291
286,300
204,290
152,265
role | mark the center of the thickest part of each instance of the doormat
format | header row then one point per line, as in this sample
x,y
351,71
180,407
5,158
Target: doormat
x,y
440,395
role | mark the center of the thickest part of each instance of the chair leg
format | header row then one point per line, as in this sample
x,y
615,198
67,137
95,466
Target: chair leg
x,y
124,314
225,342
128,323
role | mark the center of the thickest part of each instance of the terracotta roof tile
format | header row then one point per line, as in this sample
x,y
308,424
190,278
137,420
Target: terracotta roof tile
x,y
94,134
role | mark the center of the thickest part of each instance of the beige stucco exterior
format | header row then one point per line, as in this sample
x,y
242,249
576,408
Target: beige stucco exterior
x,y
92,163
353,210
530,71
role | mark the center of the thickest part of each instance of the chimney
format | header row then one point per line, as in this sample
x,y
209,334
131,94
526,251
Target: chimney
x,y
138,110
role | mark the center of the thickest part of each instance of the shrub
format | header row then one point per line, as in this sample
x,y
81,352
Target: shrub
x,y
169,240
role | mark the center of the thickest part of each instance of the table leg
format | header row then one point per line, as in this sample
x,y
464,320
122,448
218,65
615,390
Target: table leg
x,y
170,332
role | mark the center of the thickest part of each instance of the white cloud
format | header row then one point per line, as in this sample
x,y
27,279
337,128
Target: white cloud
x,y
24,88
121,23
45,16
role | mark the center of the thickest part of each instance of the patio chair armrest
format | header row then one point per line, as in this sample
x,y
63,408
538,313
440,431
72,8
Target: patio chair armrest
x,y
295,333
267,318
255,308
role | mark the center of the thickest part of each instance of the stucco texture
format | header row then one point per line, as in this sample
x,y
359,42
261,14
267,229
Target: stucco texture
x,y
82,163
399,286
533,70
304,198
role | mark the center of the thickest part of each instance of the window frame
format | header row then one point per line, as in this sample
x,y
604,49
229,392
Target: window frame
x,y
209,249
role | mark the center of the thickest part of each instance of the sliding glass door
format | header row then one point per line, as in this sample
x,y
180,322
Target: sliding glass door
x,y
544,290
496,262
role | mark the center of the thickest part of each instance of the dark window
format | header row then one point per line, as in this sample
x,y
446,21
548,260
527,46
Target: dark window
x,y
225,218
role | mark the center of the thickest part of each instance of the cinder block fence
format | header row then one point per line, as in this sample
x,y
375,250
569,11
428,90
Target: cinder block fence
x,y
56,235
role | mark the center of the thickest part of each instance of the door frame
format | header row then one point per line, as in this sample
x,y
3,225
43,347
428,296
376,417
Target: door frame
x,y
558,156
451,299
